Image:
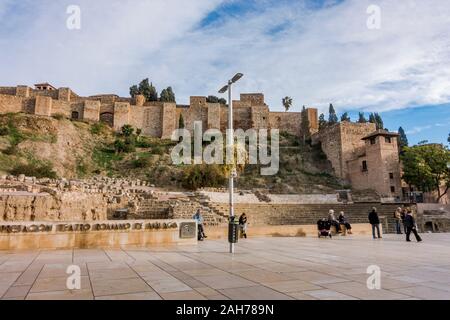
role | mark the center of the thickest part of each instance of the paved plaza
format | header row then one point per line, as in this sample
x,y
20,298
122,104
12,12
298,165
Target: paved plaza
x,y
261,268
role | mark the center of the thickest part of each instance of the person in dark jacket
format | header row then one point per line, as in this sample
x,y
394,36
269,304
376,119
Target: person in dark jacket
x,y
375,222
343,220
243,225
410,224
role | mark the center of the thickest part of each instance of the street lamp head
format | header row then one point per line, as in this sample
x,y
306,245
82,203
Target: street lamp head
x,y
224,89
236,77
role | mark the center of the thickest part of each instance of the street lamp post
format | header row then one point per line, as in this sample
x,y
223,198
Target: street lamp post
x,y
230,144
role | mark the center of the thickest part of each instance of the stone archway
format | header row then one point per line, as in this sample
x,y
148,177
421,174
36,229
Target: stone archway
x,y
75,115
108,118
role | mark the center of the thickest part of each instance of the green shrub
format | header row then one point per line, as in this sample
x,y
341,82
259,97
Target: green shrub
x,y
38,170
141,143
58,116
200,176
4,131
98,128
141,162
159,150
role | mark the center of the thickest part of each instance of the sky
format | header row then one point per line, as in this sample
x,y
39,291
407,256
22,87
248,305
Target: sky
x,y
316,51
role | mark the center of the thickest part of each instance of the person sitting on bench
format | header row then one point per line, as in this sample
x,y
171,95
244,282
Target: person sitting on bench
x,y
343,220
333,221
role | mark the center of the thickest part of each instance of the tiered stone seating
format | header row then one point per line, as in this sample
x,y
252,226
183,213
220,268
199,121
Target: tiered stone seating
x,y
301,214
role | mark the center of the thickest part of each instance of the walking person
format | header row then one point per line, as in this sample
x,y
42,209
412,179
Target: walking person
x,y
403,215
410,224
343,220
398,220
243,225
199,219
375,222
332,219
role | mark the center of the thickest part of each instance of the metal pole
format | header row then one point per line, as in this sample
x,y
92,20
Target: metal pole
x,y
231,144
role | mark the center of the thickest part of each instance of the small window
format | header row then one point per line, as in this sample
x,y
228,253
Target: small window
x,y
388,139
264,118
373,141
393,189
364,166
391,176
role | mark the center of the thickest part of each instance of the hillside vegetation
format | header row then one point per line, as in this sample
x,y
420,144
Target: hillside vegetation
x,y
59,147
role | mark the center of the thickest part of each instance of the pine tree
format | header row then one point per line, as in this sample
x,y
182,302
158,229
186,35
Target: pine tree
x,y
322,122
332,118
167,95
402,139
345,117
305,128
372,118
379,122
134,91
181,122
362,118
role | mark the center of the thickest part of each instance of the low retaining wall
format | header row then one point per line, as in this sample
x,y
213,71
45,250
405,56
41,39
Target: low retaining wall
x,y
359,229
95,234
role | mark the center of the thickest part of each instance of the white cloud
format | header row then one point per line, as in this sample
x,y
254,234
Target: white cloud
x,y
317,56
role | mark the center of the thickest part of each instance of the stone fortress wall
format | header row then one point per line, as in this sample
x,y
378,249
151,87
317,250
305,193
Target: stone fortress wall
x,y
155,119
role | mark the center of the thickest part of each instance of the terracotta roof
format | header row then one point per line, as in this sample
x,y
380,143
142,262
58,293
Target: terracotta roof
x,y
383,133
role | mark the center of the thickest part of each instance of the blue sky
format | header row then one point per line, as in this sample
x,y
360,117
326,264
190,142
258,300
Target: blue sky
x,y
317,52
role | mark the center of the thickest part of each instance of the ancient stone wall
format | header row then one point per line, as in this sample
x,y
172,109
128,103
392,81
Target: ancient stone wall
x,y
43,106
61,107
286,121
10,103
91,110
121,114
214,116
156,119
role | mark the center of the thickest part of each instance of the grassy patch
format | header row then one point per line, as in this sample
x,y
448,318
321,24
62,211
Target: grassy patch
x,y
105,158
35,169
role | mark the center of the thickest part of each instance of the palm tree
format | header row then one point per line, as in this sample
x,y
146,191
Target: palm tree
x,y
287,103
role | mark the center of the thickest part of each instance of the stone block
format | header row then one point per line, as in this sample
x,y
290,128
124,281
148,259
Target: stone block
x,y
43,106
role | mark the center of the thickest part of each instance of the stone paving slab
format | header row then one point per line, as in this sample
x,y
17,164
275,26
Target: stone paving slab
x,y
262,268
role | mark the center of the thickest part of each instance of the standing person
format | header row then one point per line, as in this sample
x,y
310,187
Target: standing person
x,y
243,225
199,219
343,220
398,220
410,224
375,222
332,219
403,215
